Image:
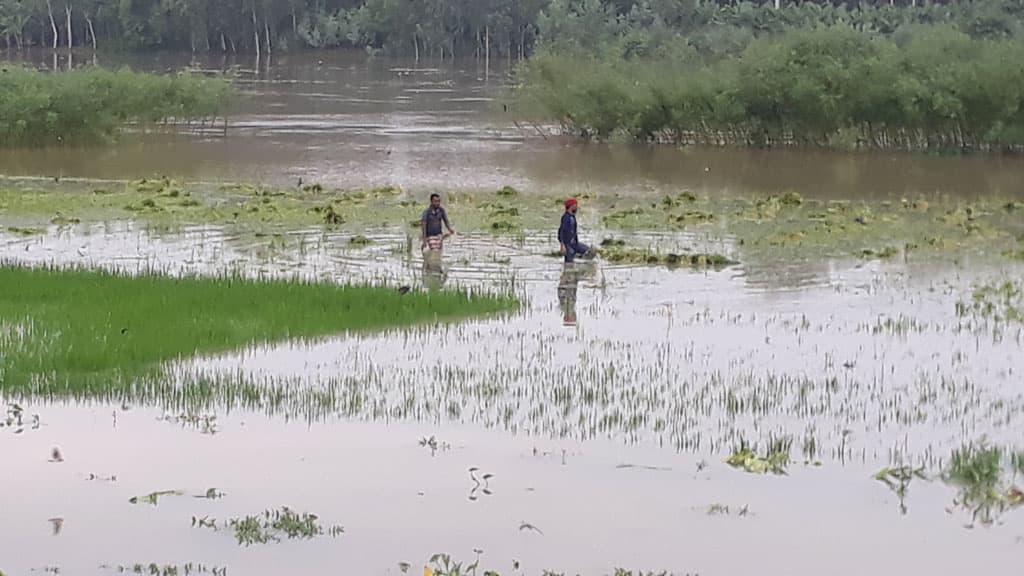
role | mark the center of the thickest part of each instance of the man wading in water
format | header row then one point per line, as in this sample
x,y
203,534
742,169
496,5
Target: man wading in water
x,y
567,237
431,224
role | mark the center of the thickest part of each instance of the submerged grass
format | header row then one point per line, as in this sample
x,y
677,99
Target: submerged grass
x,y
977,471
445,565
73,329
275,525
776,225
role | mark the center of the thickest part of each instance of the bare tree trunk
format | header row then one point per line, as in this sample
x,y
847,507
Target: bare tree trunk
x,y
487,51
67,11
266,28
416,47
223,43
53,23
92,32
778,4
256,30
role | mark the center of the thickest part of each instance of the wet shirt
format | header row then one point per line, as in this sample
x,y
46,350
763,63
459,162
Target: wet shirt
x,y
567,231
433,218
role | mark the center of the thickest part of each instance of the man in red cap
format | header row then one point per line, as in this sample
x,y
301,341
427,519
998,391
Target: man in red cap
x,y
570,242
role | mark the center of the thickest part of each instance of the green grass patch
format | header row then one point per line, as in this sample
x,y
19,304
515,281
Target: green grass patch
x,y
75,329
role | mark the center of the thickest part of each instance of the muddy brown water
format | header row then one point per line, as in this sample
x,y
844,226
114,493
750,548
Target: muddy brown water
x,y
606,431
344,120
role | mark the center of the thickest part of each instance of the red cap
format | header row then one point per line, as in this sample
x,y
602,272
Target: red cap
x,y
570,202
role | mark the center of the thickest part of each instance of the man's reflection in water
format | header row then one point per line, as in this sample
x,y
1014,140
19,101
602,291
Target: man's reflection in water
x,y
434,274
568,284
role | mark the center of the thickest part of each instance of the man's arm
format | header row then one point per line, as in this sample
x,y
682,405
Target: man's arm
x,y
444,217
563,234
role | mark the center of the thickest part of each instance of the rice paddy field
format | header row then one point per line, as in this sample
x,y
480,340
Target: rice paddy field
x,y
737,384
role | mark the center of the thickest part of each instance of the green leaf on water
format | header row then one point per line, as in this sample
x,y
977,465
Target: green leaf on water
x,y
152,497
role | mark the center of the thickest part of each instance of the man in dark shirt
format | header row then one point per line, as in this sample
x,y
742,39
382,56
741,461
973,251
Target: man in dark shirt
x,y
567,237
433,217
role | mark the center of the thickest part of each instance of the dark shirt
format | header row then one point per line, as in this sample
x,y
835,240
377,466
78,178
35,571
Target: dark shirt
x,y
433,219
567,231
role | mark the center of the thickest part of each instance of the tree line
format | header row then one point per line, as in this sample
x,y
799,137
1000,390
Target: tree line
x,y
510,29
927,87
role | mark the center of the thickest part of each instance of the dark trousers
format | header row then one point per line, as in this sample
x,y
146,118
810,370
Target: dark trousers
x,y
574,249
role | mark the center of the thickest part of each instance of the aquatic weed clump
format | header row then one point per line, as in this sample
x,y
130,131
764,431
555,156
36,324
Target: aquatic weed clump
x,y
275,525
979,474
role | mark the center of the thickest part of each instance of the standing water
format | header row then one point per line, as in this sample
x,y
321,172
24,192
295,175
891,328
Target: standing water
x,y
586,432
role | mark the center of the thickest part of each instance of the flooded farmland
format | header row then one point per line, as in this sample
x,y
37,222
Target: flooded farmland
x,y
791,413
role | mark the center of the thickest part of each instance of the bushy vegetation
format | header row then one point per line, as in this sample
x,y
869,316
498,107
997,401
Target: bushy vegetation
x,y
926,88
89,105
481,28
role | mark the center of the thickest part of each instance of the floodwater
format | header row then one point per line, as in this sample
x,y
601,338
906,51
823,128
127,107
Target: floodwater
x,y
346,121
605,430
602,411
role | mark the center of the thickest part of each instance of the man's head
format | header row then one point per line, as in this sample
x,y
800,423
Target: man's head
x,y
571,205
435,200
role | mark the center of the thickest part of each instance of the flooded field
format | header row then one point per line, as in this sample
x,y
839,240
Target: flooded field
x,y
634,403
346,121
793,413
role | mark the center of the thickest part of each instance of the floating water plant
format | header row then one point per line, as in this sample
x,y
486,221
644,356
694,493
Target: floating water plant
x,y
154,569
153,497
273,525
618,254
898,480
977,473
774,459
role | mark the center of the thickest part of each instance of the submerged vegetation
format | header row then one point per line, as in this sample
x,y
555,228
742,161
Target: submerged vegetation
x,y
154,569
736,228
92,105
774,459
75,329
274,525
898,480
979,474
1001,302
446,565
925,88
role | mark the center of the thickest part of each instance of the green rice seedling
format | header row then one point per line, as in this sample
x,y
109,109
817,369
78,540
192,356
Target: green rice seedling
x,y
77,330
